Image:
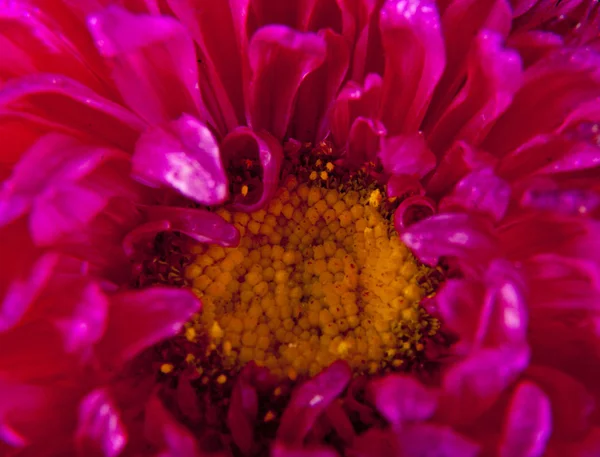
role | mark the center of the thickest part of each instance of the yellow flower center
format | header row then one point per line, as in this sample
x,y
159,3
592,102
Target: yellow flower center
x,y
319,275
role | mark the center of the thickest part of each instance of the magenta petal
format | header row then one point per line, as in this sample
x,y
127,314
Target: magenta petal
x,y
283,450
244,143
363,141
199,224
64,105
241,415
183,155
415,59
153,62
310,400
481,192
317,91
407,155
534,45
472,386
434,440
412,210
450,234
100,432
280,59
493,77
529,423
138,319
400,399
219,29
403,186
142,237
571,404
352,102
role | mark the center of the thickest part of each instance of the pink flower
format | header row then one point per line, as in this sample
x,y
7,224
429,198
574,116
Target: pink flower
x,y
123,120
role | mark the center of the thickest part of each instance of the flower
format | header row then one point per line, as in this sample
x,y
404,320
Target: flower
x,y
133,128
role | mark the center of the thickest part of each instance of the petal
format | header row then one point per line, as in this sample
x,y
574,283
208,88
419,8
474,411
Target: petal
x,y
493,77
462,21
138,319
458,161
406,154
100,431
141,238
153,63
318,89
415,59
280,59
434,440
185,156
352,102
199,224
294,13
571,404
529,423
59,103
480,192
450,234
534,45
472,386
401,399
219,29
261,147
283,450
412,210
310,400
241,416
553,88
364,141
404,186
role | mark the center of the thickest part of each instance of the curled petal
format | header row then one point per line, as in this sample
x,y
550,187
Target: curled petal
x,y
412,210
199,224
472,386
529,423
317,91
450,234
553,88
404,186
310,400
480,191
364,141
415,59
100,431
244,143
64,105
352,102
435,440
138,319
280,59
153,62
493,77
185,156
142,237
406,154
401,399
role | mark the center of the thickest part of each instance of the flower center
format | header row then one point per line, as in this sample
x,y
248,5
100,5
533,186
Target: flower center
x,y
319,275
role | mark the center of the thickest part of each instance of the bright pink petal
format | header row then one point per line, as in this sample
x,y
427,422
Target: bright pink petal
x,y
472,386
493,77
219,29
153,63
529,423
317,91
480,192
553,88
185,156
280,59
244,143
402,399
412,210
414,62
450,234
61,104
138,319
352,102
293,13
570,197
534,45
462,21
406,154
310,400
199,224
100,431
404,186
